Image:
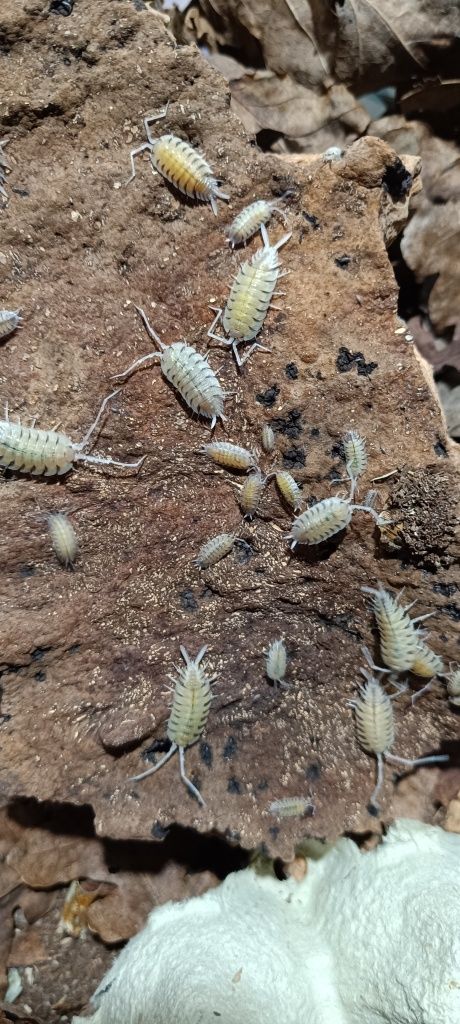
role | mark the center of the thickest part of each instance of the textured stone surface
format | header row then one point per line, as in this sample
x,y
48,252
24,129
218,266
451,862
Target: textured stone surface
x,y
85,654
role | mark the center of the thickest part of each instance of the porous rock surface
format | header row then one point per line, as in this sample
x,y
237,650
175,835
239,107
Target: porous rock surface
x,y
84,654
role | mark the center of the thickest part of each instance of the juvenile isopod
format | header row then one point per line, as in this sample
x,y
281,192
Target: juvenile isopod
x,y
188,372
10,320
399,639
276,662
375,729
251,493
180,164
292,807
289,489
214,549
453,684
230,456
250,297
324,520
189,712
354,447
48,453
248,221
267,438
63,539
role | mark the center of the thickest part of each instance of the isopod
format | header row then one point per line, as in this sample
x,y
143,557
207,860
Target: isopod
x,y
324,520
215,549
453,684
399,640
48,453
230,456
268,438
276,662
63,539
180,164
189,712
250,297
188,372
250,220
251,493
5,166
289,489
292,807
354,447
426,665
375,729
10,320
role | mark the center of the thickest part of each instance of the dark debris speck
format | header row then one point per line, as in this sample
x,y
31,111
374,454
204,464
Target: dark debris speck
x,y
206,753
230,748
446,589
440,450
293,458
157,747
188,601
314,432
268,397
342,261
26,571
347,360
290,425
274,831
313,772
233,786
159,831
397,180
453,611
291,371
310,217
40,676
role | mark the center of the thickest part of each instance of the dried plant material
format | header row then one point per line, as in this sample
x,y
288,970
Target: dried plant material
x,y
431,247
80,896
450,401
43,859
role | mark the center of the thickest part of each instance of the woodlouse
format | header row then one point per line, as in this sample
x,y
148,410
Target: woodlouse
x,y
250,297
267,438
292,807
63,539
180,164
354,447
453,684
276,662
251,493
249,220
188,372
48,453
323,520
230,456
189,712
10,320
289,489
375,729
214,549
399,640
426,665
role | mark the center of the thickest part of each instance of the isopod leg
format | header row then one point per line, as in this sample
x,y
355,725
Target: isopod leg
x,y
150,120
105,460
150,331
415,762
155,767
190,786
416,696
241,361
135,366
217,317
133,153
82,445
379,785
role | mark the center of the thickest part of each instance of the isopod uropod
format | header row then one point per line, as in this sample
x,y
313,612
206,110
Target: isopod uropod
x,y
47,452
292,807
10,320
250,296
268,438
354,447
399,640
189,712
251,493
188,372
376,731
276,662
249,220
180,164
230,456
63,539
324,520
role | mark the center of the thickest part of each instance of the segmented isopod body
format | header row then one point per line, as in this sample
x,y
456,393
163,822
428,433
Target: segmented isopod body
x,y
250,296
180,164
276,662
354,447
230,456
292,807
10,320
250,220
399,640
47,452
215,549
427,663
268,438
188,372
189,712
453,684
289,489
63,539
320,521
251,493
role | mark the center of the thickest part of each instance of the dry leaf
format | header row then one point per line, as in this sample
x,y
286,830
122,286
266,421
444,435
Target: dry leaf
x,y
431,247
440,157
450,401
44,859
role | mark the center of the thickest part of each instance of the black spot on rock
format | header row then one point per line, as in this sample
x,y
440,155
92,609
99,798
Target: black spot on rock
x,y
313,772
290,425
157,747
158,831
314,432
268,397
20,192
337,451
230,747
291,371
440,450
40,676
262,785
453,611
397,180
26,571
346,360
342,261
233,786
294,458
310,217
446,589
274,831
188,601
206,753
39,653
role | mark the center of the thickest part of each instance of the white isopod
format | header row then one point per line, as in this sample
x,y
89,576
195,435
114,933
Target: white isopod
x,y
189,712
289,489
250,296
399,639
188,372
453,684
268,438
230,456
324,520
215,549
375,729
63,539
10,320
251,493
354,447
292,807
250,220
276,662
48,453
180,164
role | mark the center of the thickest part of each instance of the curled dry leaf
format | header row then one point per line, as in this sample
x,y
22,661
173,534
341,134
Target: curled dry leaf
x,y
431,247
